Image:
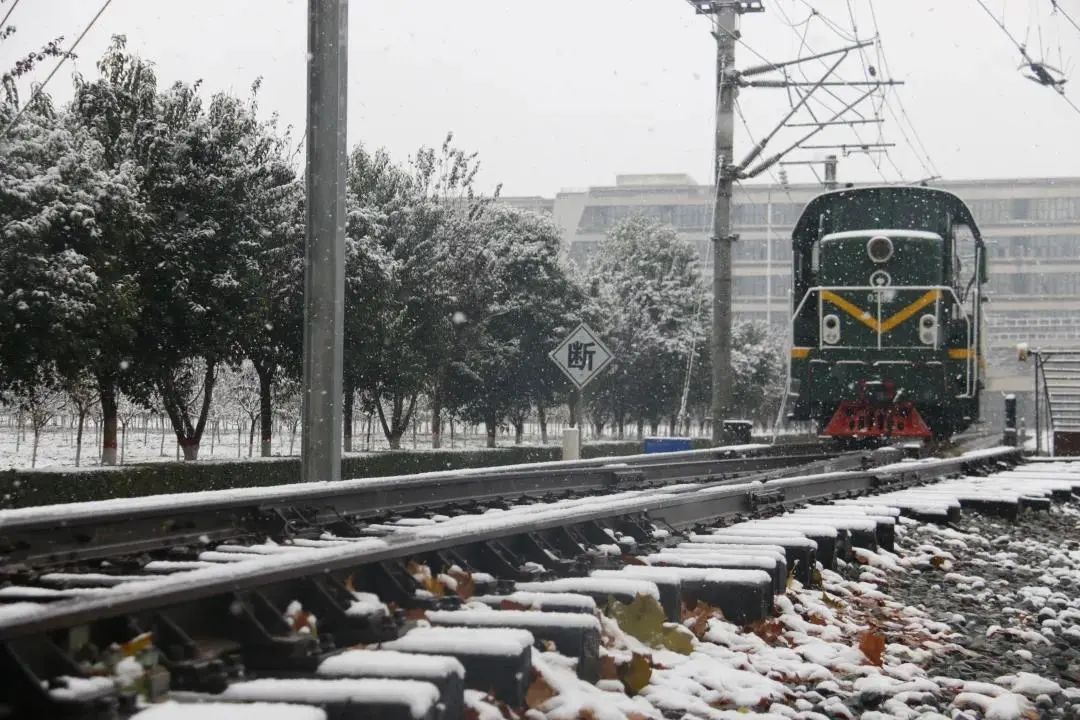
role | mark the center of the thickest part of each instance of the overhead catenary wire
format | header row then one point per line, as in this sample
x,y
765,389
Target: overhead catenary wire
x,y
11,9
804,45
1024,53
63,58
1064,14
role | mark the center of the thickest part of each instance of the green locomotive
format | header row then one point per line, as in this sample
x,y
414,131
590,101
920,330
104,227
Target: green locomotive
x,y
887,309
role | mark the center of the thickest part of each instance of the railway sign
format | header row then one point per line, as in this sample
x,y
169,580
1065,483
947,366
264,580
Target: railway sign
x,y
581,356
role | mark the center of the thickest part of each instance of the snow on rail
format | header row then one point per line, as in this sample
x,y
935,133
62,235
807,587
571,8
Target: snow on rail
x,y
192,501
230,711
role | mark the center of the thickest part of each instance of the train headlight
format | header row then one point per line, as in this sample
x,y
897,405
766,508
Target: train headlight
x,y
928,329
830,329
879,248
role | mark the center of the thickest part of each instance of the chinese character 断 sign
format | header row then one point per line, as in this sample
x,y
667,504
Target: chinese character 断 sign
x,y
581,356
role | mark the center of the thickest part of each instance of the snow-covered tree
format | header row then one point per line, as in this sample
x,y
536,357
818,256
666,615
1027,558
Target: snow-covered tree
x,y
647,285
528,302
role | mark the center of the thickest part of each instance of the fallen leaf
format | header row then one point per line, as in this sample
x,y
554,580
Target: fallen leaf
x,y
770,629
416,614
466,588
539,692
696,619
422,575
137,644
301,620
816,620
511,605
872,645
937,561
635,675
644,619
631,560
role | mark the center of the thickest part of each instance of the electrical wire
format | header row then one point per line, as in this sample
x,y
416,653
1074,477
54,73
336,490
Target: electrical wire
x,y
70,52
804,45
1023,51
8,13
1057,9
929,165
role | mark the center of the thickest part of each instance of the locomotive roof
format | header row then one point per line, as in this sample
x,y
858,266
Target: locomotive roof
x,y
806,228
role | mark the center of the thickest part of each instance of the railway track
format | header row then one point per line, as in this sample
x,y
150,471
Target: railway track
x,y
204,593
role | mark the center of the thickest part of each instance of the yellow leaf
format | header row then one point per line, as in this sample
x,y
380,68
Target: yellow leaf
x,y
645,620
635,674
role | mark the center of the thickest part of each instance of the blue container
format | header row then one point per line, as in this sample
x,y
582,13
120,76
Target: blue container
x,y
667,444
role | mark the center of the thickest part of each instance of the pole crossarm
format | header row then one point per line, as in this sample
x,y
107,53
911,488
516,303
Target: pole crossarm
x,y
849,148
712,7
770,67
835,83
863,121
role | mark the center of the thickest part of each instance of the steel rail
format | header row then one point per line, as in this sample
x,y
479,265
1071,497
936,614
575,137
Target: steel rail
x,y
108,528
683,509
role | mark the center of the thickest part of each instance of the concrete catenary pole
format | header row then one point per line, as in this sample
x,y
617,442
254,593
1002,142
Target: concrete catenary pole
x,y
726,28
324,255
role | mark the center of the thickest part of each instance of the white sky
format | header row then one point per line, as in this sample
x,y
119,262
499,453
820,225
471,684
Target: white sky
x,y
568,93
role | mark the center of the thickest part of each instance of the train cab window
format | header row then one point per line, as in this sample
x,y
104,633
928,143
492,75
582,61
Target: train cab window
x,y
965,259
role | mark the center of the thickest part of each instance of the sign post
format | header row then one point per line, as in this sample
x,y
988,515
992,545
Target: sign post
x,y
581,357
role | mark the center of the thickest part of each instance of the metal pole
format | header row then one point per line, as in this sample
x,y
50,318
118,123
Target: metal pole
x,y
324,253
1038,417
830,172
768,260
727,90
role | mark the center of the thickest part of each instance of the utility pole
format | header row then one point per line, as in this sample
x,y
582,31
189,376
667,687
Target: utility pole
x,y
725,15
324,250
726,31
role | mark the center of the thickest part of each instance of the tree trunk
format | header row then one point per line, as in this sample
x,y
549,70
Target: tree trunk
x,y
654,426
18,429
347,416
266,417
519,431
33,453
78,437
251,434
641,429
436,417
367,441
400,414
107,396
190,450
671,425
189,436
123,441
541,416
213,437
239,435
492,426
451,433
620,423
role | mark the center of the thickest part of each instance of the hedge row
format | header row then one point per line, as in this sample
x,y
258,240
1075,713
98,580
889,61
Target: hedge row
x,y
23,488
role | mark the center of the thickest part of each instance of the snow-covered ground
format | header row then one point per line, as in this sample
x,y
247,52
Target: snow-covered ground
x,y
57,446
980,622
